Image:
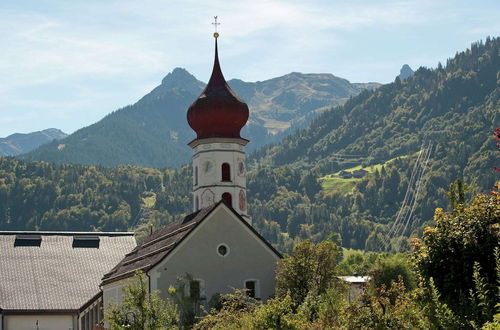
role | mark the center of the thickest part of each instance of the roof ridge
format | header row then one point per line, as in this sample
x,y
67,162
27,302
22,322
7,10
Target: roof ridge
x,y
166,247
175,232
124,275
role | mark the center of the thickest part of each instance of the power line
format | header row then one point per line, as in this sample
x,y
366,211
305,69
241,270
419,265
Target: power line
x,y
408,206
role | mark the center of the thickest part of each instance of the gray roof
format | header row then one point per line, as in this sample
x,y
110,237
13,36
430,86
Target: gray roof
x,y
156,246
56,275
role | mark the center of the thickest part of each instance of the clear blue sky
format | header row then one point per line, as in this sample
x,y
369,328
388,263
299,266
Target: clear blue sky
x,y
66,64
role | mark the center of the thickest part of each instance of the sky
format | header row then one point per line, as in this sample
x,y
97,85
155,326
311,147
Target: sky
x,y
66,64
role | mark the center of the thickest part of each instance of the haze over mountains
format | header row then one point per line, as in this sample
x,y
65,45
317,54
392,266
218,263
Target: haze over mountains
x,y
154,132
20,143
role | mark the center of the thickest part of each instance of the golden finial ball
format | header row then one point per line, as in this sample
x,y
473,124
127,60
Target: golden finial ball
x,y
216,35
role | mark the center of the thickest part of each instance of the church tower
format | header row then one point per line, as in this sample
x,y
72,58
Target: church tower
x,y
219,171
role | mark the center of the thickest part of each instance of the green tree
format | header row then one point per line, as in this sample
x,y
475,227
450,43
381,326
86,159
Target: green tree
x,y
309,270
390,269
233,313
388,308
141,310
458,254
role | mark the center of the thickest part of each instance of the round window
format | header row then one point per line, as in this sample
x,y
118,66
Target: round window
x,y
223,250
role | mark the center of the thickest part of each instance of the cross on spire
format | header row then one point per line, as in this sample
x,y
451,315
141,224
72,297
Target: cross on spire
x,y
215,23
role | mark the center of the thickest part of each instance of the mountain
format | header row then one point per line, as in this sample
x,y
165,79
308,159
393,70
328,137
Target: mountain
x,y
405,72
302,185
20,143
280,102
154,132
454,105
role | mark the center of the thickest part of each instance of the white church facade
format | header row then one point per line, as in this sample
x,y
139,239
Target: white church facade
x,y
213,251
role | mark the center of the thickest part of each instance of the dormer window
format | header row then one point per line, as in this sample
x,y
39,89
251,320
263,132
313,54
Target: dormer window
x,y
86,241
28,240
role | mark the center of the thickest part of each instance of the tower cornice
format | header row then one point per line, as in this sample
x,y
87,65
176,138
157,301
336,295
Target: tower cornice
x,y
197,142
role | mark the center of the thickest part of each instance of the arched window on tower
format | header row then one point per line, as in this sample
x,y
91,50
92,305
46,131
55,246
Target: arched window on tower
x,y
226,197
226,172
196,175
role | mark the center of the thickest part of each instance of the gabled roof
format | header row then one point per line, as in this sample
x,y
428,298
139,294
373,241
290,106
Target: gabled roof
x,y
163,241
51,271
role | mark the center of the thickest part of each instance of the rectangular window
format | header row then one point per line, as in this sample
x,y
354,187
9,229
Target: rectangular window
x,y
194,290
250,288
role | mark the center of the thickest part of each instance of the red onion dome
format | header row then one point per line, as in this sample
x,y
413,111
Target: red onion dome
x,y
218,111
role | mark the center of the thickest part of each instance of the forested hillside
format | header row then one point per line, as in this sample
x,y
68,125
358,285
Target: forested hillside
x,y
297,189
154,131
451,110
44,196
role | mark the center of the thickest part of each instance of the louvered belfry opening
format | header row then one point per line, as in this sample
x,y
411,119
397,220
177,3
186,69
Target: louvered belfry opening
x,y
226,172
227,198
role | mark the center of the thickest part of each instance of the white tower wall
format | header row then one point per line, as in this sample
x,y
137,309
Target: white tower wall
x,y
209,155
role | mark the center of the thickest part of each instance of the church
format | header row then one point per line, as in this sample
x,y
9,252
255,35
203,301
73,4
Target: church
x,y
215,248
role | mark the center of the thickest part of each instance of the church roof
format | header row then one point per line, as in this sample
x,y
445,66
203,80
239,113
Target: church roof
x,y
56,271
218,112
158,245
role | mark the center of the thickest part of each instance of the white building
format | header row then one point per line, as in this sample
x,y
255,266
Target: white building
x,y
50,280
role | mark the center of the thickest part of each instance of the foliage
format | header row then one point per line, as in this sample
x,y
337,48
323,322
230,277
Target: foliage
x,y
392,308
190,307
142,310
277,313
309,270
388,308
232,314
437,312
392,268
458,253
43,196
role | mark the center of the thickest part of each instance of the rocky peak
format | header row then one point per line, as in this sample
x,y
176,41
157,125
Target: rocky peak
x,y
405,72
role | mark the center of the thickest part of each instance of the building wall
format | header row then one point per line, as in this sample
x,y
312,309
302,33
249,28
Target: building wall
x,y
208,186
92,316
248,258
113,292
45,322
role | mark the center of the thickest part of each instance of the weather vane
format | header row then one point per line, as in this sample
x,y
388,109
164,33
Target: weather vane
x,y
216,35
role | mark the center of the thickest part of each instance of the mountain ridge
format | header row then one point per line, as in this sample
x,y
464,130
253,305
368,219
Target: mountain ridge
x,y
153,132
19,143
